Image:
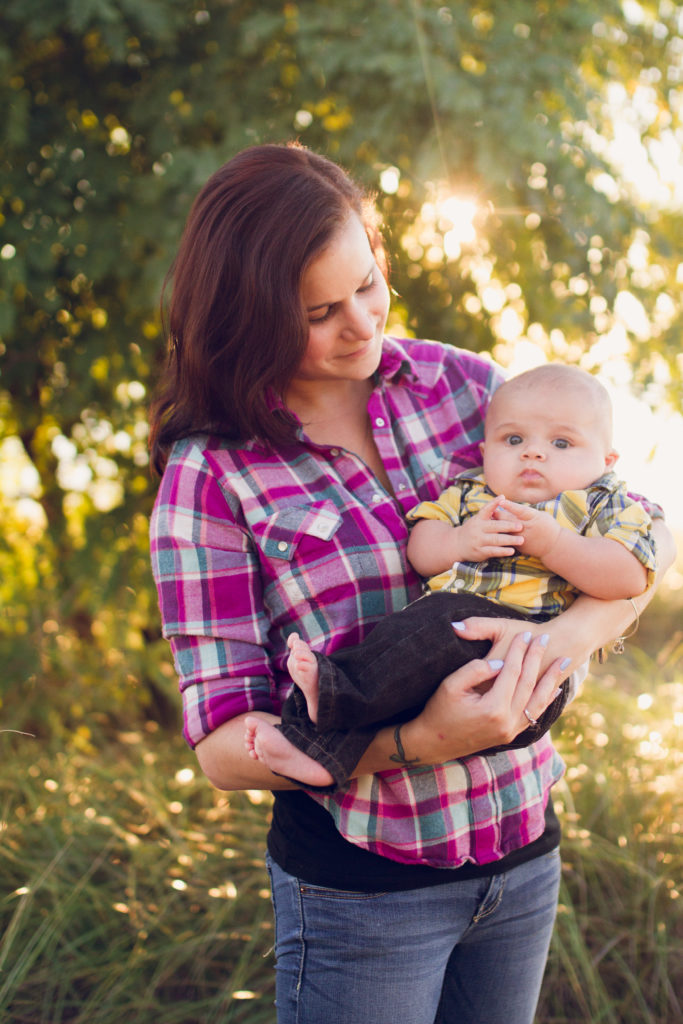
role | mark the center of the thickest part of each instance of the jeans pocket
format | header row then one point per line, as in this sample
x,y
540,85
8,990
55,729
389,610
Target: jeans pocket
x,y
327,893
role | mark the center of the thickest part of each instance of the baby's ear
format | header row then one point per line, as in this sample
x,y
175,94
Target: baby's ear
x,y
611,458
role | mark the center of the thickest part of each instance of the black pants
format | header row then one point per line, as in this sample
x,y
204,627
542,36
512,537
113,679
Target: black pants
x,y
388,677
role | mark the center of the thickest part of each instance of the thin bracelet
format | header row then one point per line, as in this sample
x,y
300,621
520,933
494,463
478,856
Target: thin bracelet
x,y
400,756
618,642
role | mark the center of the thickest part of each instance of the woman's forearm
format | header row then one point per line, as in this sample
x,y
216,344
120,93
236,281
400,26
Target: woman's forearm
x,y
464,716
223,758
453,727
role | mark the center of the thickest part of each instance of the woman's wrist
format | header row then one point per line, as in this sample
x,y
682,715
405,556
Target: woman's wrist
x,y
589,625
397,746
417,742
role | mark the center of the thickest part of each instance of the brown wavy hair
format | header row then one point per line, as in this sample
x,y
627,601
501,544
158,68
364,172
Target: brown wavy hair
x,y
236,324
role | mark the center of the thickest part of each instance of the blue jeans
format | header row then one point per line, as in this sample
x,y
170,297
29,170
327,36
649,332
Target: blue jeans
x,y
465,952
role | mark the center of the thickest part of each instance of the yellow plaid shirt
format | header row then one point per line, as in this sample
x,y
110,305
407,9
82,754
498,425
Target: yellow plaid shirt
x,y
522,581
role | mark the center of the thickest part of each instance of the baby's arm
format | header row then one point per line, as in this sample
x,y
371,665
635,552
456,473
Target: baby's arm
x,y
598,566
435,544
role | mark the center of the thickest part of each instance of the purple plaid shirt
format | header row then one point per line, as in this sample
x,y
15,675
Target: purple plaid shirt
x,y
250,544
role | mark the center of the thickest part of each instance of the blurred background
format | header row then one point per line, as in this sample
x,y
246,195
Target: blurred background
x,y
527,161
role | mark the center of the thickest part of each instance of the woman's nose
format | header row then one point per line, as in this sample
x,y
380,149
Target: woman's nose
x,y
360,322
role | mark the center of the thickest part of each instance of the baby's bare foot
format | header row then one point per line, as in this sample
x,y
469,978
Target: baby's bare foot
x,y
268,745
250,736
303,668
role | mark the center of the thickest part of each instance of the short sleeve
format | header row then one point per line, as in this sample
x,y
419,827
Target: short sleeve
x,y
628,523
446,509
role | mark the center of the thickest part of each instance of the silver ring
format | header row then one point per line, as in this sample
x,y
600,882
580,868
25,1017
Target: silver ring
x,y
532,721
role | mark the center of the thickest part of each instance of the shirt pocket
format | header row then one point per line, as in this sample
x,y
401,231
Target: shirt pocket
x,y
302,567
280,534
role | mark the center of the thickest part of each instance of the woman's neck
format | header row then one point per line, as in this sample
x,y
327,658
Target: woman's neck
x,y
338,416
323,407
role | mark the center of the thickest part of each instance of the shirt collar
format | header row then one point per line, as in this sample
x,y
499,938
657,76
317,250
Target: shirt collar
x,y
395,364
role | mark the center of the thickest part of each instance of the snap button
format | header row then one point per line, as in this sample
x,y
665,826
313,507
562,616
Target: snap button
x,y
334,452
282,546
379,422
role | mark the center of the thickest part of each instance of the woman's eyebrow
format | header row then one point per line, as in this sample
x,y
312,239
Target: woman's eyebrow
x,y
322,305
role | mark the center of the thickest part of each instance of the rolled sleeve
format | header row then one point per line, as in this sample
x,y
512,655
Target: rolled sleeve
x,y
209,591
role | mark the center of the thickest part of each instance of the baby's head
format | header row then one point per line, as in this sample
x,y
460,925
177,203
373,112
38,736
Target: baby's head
x,y
547,430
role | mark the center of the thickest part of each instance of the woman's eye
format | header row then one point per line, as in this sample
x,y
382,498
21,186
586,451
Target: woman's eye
x,y
368,283
561,442
320,319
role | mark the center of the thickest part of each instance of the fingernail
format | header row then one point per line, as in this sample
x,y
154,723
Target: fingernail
x,y
458,625
544,640
557,693
527,637
496,664
565,663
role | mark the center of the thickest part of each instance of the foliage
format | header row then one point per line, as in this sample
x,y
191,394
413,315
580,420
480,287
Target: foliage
x,y
117,111
131,887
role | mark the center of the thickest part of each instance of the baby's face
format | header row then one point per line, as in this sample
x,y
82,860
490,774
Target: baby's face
x,y
540,442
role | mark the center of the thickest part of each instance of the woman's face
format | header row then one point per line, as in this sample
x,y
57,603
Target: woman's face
x,y
347,302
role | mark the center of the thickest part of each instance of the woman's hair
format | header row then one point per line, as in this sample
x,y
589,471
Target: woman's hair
x,y
236,324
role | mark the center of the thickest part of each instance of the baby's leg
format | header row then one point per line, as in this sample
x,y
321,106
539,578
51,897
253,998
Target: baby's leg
x,y
265,743
303,668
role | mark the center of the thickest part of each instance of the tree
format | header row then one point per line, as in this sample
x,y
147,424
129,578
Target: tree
x,y
117,111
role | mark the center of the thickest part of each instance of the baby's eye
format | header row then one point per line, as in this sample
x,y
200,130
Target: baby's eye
x,y
514,439
561,442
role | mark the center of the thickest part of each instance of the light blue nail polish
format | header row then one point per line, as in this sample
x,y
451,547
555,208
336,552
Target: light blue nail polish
x,y
458,625
544,640
527,637
496,664
564,664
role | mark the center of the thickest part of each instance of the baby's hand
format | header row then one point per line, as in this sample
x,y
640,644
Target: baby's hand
x,y
540,530
493,532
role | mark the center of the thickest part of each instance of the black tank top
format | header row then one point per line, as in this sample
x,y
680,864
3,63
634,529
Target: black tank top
x,y
304,842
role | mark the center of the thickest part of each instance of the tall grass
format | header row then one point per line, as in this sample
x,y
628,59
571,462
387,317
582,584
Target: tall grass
x,y
129,889
617,953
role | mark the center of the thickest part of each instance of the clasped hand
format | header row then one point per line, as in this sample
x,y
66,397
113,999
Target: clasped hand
x,y
502,527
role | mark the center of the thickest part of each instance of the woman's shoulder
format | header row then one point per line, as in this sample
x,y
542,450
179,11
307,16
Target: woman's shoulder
x,y
211,455
197,469
429,361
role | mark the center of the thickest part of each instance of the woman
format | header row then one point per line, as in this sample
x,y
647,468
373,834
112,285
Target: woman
x,y
293,437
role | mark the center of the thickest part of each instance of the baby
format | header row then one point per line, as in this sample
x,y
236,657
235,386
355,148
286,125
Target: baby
x,y
545,520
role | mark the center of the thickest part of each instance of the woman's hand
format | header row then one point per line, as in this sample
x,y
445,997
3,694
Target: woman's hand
x,y
482,704
501,632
